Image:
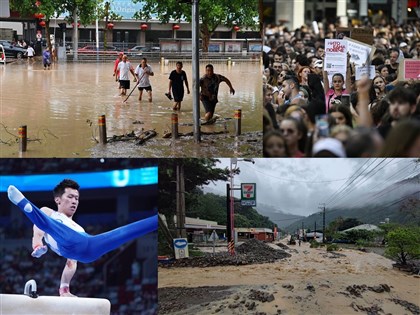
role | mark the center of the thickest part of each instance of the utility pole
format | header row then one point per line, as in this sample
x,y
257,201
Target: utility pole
x,y
180,201
228,229
196,69
302,230
322,207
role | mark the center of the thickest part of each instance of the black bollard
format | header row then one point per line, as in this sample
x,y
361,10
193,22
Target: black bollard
x,y
102,129
22,134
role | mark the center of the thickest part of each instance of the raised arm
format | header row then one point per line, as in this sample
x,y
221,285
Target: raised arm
x,y
348,78
38,233
363,87
326,82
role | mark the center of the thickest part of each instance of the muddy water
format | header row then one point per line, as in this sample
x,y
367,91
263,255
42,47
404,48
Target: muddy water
x,y
61,107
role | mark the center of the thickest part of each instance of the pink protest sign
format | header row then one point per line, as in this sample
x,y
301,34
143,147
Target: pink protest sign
x,y
411,69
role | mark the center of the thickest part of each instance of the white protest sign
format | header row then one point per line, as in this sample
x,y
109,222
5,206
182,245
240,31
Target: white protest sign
x,y
365,70
335,56
359,51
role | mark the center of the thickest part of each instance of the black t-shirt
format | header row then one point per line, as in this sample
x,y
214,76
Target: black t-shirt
x,y
178,79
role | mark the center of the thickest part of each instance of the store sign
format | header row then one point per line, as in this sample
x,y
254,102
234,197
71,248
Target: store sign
x,y
248,194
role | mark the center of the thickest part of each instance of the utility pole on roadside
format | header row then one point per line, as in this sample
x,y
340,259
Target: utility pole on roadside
x,y
322,207
303,233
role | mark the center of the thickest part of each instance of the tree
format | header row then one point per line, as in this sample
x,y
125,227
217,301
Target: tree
x,y
107,15
198,172
46,7
356,235
403,244
212,14
349,223
85,10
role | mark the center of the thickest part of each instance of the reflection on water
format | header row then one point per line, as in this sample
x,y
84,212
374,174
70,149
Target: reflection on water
x,y
61,107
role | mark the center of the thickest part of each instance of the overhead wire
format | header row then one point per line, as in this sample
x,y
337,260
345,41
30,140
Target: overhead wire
x,y
382,190
347,183
363,179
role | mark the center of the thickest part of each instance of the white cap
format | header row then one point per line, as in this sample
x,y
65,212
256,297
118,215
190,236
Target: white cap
x,y
403,44
329,144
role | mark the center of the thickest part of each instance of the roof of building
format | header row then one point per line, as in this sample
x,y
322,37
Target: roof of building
x,y
367,227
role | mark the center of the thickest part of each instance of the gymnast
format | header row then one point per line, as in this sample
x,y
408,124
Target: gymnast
x,y
68,239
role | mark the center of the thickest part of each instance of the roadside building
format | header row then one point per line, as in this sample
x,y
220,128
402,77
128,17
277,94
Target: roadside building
x,y
262,234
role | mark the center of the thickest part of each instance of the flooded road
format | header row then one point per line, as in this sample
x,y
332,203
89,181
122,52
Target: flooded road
x,y
61,107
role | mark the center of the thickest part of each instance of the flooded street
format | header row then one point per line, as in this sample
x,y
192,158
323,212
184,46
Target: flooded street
x,y
311,281
61,107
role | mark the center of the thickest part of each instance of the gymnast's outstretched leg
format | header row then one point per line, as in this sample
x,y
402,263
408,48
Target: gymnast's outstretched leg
x,y
76,245
101,244
68,238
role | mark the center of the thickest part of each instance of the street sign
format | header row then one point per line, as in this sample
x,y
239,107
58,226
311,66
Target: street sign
x,y
181,248
214,236
248,194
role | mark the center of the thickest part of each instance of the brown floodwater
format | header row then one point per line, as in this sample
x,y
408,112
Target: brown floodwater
x,y
60,108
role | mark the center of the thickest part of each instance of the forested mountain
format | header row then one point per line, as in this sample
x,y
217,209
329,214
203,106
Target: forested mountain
x,y
399,202
279,217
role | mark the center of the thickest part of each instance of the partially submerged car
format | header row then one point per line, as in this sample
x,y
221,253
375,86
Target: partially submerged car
x,y
102,50
13,51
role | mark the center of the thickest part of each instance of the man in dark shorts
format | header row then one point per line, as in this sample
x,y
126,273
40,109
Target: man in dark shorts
x,y
124,68
209,84
143,72
176,83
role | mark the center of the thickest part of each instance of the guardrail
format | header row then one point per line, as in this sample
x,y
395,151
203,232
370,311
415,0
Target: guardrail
x,y
157,56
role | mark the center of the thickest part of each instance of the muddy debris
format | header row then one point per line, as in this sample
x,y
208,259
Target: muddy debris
x,y
357,290
414,309
310,287
261,296
372,310
179,298
288,287
139,138
251,252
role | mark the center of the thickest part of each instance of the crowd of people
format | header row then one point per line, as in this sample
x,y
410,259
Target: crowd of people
x,y
308,114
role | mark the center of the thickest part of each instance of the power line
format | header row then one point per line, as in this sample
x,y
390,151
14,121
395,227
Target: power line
x,y
361,180
347,183
292,180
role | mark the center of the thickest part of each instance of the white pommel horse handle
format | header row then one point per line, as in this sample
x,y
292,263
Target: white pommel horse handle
x,y
30,288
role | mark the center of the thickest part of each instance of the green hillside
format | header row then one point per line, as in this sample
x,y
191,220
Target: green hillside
x,y
400,203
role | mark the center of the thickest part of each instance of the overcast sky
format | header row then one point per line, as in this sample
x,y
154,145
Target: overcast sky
x,y
298,186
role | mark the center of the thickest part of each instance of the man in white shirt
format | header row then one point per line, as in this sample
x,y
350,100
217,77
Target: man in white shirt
x,y
124,68
143,72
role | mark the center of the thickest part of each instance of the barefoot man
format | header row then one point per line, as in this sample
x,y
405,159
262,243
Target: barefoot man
x,y
143,72
176,83
209,84
124,68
